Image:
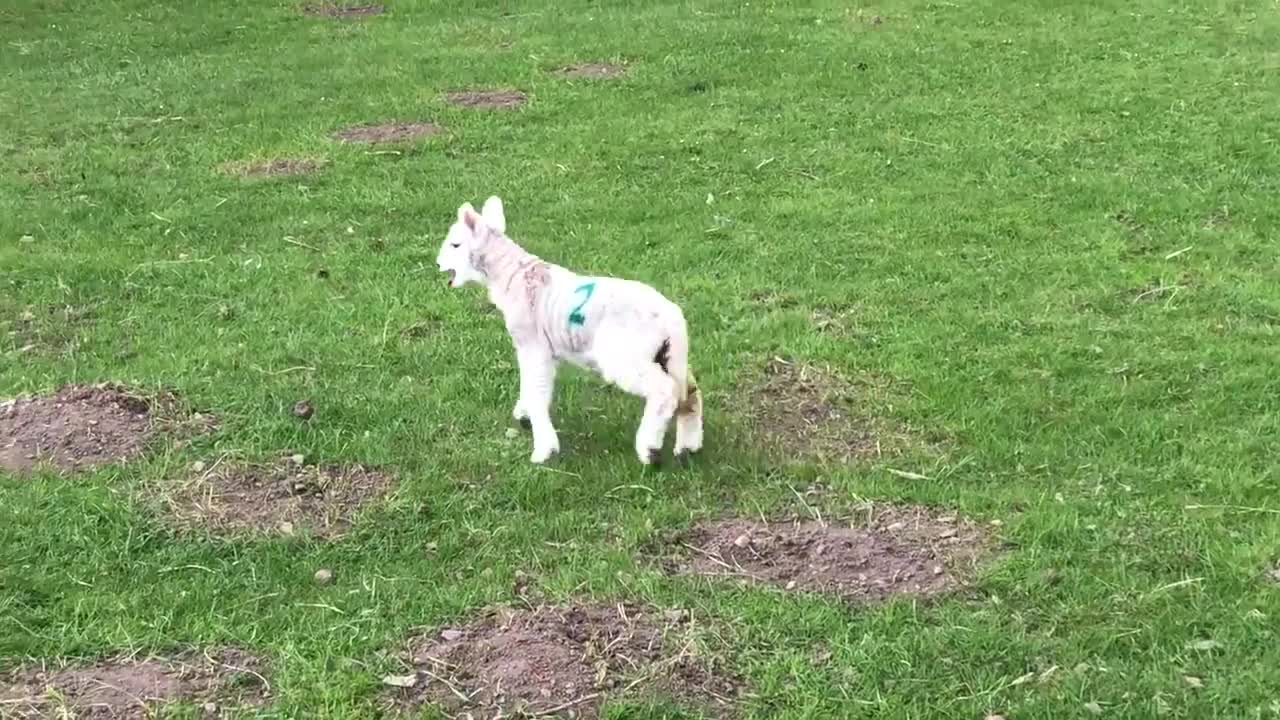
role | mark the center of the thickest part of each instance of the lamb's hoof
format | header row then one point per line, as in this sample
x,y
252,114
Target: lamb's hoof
x,y
526,423
542,458
655,458
684,458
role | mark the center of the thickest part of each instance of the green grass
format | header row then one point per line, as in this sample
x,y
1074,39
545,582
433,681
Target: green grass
x,y
993,191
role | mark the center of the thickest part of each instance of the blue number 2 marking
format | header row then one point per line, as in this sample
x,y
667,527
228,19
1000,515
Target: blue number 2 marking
x,y
575,315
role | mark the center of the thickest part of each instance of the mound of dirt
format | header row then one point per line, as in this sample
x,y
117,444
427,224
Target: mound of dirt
x,y
129,688
84,426
898,551
334,10
800,410
276,167
592,71
387,133
559,661
488,99
284,498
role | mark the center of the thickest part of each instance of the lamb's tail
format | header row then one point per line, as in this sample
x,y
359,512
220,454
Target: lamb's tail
x,y
673,358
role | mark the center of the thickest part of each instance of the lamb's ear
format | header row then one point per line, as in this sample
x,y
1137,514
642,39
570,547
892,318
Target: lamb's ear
x,y
493,214
468,216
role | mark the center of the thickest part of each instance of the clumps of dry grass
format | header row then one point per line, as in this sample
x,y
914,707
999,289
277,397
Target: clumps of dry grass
x,y
879,552
273,167
592,71
81,427
561,661
487,99
52,329
282,498
343,12
387,133
799,410
130,687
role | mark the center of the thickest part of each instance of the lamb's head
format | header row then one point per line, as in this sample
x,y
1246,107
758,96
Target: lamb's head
x,y
462,254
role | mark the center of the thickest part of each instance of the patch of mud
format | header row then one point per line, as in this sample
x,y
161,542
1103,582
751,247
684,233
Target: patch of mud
x,y
285,498
561,662
275,167
800,410
132,688
895,551
387,133
592,71
488,99
87,426
334,10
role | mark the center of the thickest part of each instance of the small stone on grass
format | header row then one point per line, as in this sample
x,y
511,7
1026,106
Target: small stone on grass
x,y
303,410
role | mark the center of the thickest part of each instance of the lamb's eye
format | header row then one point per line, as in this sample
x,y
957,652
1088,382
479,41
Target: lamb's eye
x,y
457,245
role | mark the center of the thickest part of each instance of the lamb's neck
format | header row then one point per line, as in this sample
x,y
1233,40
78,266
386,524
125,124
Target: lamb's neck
x,y
504,262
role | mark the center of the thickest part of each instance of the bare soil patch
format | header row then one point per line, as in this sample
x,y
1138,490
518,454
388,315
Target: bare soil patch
x,y
561,662
86,426
592,71
274,167
284,498
333,10
488,99
893,551
799,410
132,688
387,133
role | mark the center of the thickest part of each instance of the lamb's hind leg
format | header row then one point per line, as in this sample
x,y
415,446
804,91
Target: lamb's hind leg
x,y
689,424
659,392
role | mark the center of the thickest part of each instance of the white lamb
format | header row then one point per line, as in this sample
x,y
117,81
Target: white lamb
x,y
625,330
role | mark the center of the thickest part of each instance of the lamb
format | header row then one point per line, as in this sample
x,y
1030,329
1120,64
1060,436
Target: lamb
x,y
624,330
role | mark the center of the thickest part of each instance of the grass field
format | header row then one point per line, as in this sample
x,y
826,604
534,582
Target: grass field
x,y
1047,231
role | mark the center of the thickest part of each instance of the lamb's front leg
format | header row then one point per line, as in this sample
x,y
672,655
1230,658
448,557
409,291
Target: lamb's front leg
x,y
537,383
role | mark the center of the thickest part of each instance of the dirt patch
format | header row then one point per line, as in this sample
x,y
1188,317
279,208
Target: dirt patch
x,y
275,167
592,71
894,551
131,688
562,662
488,99
334,10
388,133
799,410
86,426
285,498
